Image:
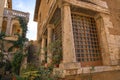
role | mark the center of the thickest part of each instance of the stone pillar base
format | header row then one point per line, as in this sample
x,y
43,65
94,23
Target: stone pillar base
x,y
71,69
66,69
72,65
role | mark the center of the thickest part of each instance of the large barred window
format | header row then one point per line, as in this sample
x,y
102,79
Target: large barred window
x,y
86,40
56,21
57,35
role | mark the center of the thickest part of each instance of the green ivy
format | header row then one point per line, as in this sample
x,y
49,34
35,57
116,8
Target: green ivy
x,y
56,48
42,73
16,63
2,35
18,55
23,24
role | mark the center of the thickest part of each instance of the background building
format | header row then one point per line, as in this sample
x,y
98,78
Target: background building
x,y
9,23
4,4
89,33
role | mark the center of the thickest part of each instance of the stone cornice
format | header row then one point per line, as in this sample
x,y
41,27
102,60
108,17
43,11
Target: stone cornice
x,y
89,6
36,10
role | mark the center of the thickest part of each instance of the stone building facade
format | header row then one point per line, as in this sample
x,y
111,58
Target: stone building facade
x,y
10,25
4,4
88,30
8,17
9,22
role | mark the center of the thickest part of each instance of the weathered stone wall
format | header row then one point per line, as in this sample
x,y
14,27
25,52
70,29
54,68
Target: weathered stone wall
x,y
114,31
108,28
110,23
13,24
33,50
114,7
111,75
43,14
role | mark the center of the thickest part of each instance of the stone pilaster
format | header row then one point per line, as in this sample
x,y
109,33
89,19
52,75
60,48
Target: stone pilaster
x,y
49,40
113,49
102,33
8,28
68,41
110,52
69,58
2,2
42,54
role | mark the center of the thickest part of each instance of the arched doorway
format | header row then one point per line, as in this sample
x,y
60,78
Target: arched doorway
x,y
16,27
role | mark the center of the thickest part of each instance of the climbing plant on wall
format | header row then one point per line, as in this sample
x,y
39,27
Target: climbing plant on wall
x,y
19,44
21,38
2,35
23,25
17,60
56,49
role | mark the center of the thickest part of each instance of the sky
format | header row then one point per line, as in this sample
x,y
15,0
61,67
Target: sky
x,y
27,6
